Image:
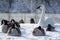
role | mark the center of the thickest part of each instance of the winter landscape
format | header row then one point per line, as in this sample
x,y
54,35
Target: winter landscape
x,y
44,12
27,33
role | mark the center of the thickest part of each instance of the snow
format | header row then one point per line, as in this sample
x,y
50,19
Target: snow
x,y
27,29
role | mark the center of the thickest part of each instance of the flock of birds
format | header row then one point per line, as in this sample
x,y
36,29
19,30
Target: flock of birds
x,y
12,28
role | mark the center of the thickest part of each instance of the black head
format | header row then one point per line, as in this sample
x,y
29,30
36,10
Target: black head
x,y
49,25
12,20
38,7
4,22
21,21
32,20
39,27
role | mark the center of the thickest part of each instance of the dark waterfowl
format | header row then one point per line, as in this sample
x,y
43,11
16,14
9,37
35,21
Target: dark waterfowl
x,y
14,30
5,27
32,20
50,28
21,21
38,31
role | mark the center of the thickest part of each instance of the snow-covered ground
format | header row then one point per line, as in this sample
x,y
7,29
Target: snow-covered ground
x,y
27,29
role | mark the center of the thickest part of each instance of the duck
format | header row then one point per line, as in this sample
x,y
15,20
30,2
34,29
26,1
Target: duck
x,y
38,31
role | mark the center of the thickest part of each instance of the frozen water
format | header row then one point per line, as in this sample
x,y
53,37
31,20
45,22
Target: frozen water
x,y
27,29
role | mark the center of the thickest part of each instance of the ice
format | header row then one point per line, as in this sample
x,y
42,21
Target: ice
x,y
27,29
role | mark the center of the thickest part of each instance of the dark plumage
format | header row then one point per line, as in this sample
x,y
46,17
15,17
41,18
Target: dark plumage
x,y
50,28
32,20
38,7
5,27
16,27
38,31
5,22
21,21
